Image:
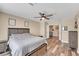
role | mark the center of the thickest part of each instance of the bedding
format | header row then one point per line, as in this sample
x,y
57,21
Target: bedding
x,y
22,44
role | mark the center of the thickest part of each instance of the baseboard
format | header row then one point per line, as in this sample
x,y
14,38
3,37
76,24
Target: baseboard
x,y
64,41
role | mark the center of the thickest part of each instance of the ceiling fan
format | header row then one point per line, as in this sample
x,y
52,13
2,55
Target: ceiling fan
x,y
44,16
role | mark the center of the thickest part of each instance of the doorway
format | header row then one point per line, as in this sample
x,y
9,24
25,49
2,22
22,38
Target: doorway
x,y
54,31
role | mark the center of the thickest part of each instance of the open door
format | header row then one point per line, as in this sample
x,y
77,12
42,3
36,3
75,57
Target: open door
x,y
53,31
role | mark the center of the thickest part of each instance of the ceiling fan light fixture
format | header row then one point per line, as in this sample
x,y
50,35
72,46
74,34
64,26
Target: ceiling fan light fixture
x,y
42,18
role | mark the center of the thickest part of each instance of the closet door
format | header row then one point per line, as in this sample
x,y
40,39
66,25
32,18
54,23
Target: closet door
x,y
73,39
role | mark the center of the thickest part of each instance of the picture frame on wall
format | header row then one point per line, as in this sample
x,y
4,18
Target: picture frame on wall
x,y
65,28
26,23
12,22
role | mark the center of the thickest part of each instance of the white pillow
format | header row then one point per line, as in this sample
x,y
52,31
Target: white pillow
x,y
26,34
17,36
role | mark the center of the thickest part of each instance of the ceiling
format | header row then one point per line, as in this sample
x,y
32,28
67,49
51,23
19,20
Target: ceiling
x,y
61,11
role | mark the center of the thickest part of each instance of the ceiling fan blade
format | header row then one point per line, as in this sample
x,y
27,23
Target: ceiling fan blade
x,y
37,17
49,15
40,13
47,18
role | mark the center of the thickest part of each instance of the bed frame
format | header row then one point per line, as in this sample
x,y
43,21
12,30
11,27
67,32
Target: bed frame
x,y
40,51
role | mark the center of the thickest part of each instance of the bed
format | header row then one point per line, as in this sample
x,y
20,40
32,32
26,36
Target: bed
x,y
22,43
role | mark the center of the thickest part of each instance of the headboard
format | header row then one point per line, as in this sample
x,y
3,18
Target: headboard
x,y
17,31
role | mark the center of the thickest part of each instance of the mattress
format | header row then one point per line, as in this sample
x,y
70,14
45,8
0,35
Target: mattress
x,y
21,45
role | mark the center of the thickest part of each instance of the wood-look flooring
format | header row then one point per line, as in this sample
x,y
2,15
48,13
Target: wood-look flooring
x,y
56,48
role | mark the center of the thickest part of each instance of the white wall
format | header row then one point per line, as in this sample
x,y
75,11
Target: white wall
x,y
43,26
34,26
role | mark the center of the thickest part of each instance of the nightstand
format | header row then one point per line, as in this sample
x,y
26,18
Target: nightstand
x,y
3,48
